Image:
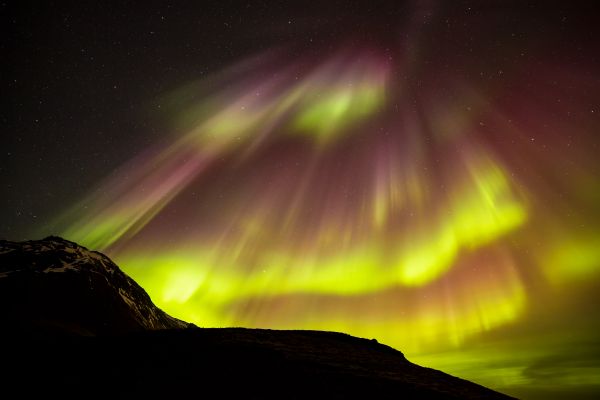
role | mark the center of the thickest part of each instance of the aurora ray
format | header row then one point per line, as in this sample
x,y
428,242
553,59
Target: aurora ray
x,y
317,194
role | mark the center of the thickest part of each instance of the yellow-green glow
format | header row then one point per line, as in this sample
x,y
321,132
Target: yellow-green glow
x,y
574,258
421,258
477,215
202,283
325,114
323,196
192,289
490,366
265,111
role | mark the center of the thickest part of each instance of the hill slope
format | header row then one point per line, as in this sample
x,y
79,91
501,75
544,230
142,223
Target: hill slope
x,y
76,325
54,285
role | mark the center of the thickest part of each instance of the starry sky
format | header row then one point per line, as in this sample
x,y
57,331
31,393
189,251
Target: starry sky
x,y
425,173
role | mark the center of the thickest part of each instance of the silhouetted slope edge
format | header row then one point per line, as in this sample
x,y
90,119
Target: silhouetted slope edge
x,y
56,285
75,325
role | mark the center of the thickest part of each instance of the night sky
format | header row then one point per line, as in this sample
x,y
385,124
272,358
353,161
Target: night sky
x,y
425,173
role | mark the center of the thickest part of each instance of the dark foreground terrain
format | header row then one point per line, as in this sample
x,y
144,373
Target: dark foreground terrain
x,y
74,325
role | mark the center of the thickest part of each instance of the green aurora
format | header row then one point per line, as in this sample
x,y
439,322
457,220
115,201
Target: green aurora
x,y
460,226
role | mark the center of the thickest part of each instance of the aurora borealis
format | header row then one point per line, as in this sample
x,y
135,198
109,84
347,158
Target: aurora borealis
x,y
437,190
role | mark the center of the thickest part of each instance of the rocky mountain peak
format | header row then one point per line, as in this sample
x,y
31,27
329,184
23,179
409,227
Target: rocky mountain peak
x,y
63,286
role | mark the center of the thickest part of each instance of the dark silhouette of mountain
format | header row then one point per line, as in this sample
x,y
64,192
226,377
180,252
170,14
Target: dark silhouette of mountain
x,y
63,287
75,325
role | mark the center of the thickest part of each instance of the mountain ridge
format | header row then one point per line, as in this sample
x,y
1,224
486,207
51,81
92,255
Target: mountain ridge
x,y
76,322
62,272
